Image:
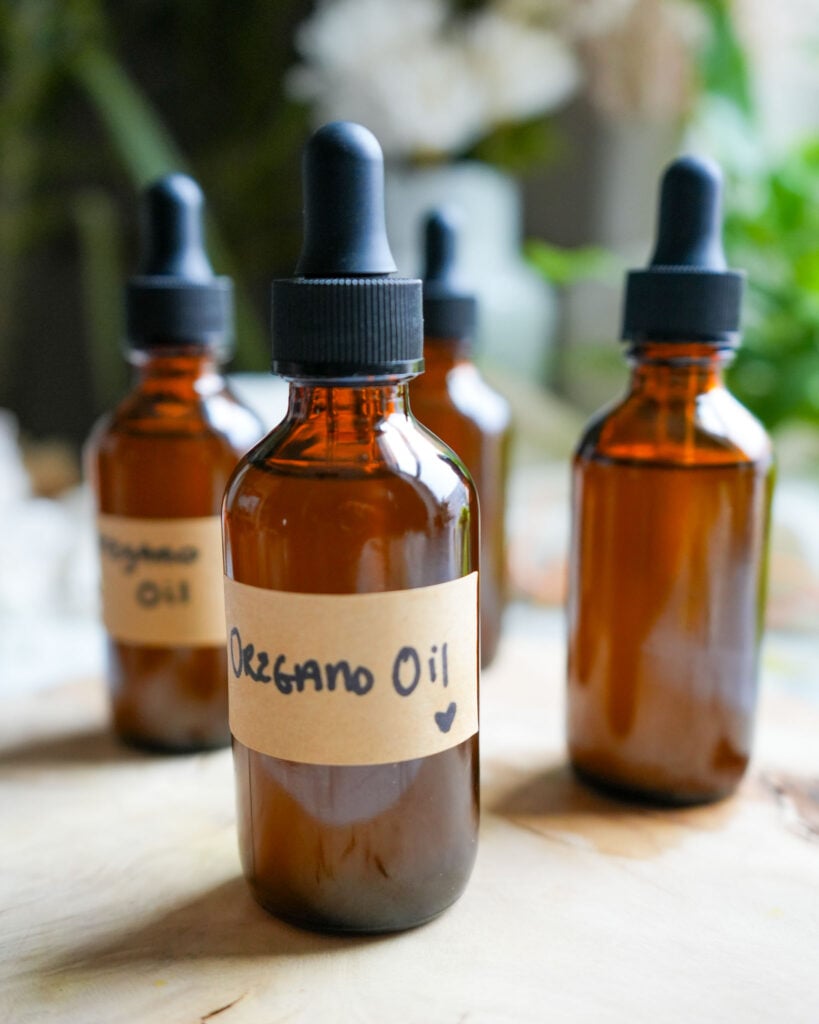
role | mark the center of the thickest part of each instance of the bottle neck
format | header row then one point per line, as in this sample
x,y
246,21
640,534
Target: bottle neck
x,y
163,367
358,406
441,355
665,369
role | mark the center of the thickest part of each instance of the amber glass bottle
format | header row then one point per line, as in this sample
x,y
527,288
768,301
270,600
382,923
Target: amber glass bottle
x,y
454,401
158,466
357,801
671,496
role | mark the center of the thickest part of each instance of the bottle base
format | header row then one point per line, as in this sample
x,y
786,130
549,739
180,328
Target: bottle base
x,y
329,925
658,796
151,745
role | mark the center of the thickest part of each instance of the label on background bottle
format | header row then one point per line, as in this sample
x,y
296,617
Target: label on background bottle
x,y
353,679
162,580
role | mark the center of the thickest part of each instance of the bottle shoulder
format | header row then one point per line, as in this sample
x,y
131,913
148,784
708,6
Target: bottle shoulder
x,y
212,415
714,428
399,457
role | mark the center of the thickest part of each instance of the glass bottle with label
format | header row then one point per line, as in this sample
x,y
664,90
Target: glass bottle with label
x,y
671,496
454,401
351,547
158,465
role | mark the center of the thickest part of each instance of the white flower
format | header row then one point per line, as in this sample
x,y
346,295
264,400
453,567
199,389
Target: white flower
x,y
423,80
416,100
522,71
341,34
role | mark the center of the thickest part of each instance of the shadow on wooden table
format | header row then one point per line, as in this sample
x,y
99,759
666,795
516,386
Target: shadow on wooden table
x,y
95,745
82,748
553,804
222,922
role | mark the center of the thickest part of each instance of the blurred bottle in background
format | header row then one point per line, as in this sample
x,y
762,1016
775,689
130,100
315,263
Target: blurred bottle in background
x,y
454,401
670,507
158,465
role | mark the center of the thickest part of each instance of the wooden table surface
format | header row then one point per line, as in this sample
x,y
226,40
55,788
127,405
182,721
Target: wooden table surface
x,y
121,898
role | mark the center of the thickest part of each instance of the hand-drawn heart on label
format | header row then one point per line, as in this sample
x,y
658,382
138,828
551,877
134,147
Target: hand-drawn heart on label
x,y
444,719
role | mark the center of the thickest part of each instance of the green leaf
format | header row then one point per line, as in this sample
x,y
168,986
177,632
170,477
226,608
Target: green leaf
x,y
147,150
563,266
517,147
722,61
101,273
143,142
806,270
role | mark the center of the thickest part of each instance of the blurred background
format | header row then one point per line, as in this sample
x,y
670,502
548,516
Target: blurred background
x,y
549,121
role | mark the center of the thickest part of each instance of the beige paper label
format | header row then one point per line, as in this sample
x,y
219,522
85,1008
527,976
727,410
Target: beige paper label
x,y
162,580
353,679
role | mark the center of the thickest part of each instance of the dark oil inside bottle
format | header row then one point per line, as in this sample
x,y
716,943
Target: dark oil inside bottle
x,y
665,631
347,496
167,452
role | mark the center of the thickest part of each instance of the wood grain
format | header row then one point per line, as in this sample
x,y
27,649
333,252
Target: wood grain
x,y
122,899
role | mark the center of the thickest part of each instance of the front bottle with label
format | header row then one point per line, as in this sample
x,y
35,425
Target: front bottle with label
x,y
158,465
351,546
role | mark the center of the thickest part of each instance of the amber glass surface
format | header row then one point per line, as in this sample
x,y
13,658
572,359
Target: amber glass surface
x,y
348,496
166,452
671,496
452,399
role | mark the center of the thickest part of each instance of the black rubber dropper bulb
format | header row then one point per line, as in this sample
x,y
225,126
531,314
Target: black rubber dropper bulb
x,y
344,315
689,232
175,298
687,293
449,308
172,236
440,245
345,234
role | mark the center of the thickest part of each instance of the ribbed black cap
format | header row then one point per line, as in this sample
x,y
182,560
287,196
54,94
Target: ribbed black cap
x,y
450,309
687,293
344,315
175,298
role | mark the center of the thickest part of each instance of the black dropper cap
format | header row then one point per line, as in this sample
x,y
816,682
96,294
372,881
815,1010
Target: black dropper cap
x,y
344,315
450,309
175,298
687,293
